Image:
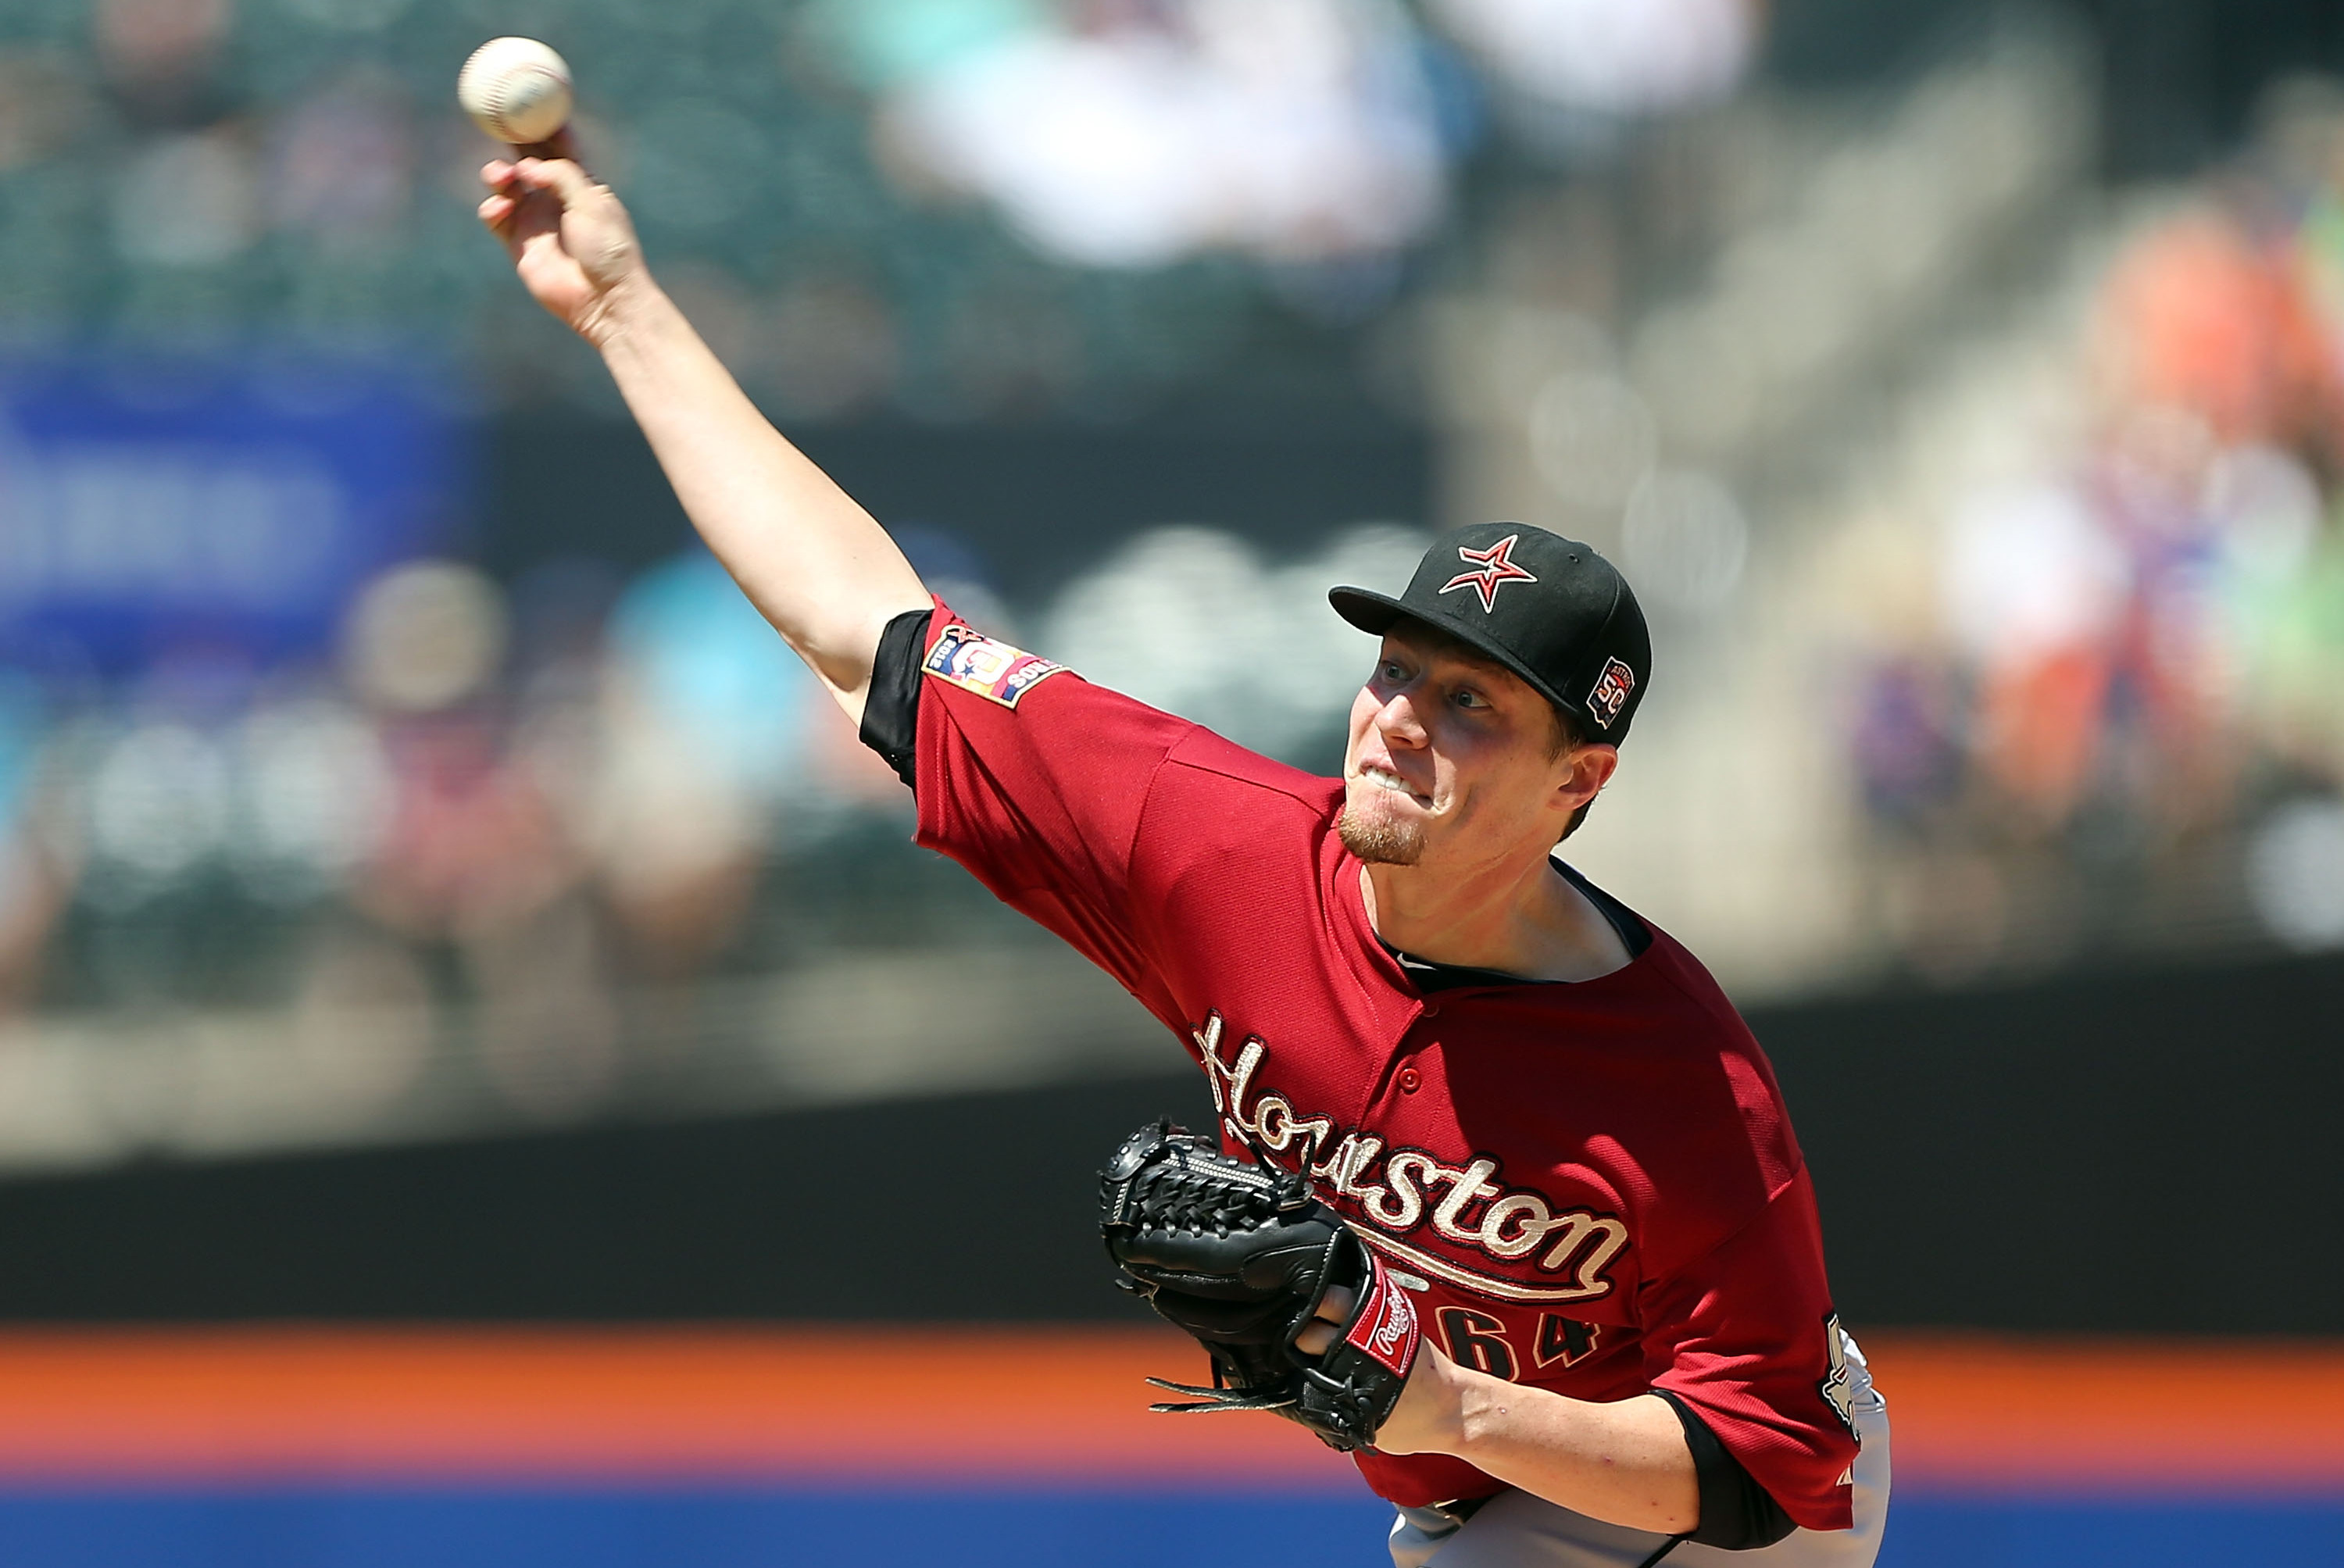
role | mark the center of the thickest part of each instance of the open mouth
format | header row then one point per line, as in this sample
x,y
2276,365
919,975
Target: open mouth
x,y
1391,782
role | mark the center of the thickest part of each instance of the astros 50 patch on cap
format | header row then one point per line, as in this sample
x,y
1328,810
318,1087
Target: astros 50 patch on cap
x,y
1547,608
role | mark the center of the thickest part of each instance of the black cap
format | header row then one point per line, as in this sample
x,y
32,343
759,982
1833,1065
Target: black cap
x,y
1547,608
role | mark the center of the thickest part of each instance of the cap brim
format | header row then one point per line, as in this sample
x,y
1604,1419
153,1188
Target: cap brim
x,y
1376,614
1370,612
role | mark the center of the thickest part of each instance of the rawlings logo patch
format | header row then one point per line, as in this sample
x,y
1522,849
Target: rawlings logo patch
x,y
1611,693
994,670
1386,1327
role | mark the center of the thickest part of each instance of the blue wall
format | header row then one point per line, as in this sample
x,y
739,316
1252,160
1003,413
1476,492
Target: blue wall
x,y
714,1527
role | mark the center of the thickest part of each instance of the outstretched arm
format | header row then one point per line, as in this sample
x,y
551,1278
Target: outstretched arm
x,y
817,566
1625,1462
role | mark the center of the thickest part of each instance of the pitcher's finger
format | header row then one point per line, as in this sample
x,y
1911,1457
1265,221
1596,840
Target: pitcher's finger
x,y
561,144
560,176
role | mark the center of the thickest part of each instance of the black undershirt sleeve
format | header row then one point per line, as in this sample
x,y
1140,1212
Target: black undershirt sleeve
x,y
890,710
1737,1514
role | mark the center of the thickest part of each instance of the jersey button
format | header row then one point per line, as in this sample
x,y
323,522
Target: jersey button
x,y
1432,1010
1410,1080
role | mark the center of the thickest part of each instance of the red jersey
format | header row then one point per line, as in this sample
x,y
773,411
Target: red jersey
x,y
1593,1186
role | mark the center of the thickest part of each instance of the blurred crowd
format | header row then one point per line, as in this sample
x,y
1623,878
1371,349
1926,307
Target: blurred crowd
x,y
952,208
534,803
537,805
514,803
2120,698
2090,692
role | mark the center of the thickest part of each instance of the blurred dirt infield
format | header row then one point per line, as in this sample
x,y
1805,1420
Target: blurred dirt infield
x,y
1060,1406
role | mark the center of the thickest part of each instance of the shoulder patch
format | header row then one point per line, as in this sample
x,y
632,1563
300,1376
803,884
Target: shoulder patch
x,y
993,669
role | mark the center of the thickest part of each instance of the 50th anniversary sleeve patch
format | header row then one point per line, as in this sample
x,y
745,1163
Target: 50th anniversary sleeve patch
x,y
994,670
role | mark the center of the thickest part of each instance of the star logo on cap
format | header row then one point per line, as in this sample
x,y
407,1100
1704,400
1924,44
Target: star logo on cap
x,y
1497,567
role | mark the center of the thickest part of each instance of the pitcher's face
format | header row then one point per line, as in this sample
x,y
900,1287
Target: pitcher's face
x,y
1454,758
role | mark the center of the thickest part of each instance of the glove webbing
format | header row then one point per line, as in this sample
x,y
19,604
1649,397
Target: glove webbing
x,y
1173,1196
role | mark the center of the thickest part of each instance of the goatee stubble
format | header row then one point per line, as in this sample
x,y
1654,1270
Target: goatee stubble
x,y
1375,837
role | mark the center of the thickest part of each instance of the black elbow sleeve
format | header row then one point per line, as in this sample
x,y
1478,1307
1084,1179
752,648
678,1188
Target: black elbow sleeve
x,y
1737,1514
890,709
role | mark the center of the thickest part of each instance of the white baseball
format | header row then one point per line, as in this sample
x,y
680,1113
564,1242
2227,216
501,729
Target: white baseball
x,y
517,90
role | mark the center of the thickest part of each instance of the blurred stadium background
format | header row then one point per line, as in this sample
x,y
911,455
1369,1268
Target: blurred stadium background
x,y
429,897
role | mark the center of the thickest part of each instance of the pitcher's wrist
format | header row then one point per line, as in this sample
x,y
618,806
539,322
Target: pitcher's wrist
x,y
1485,1408
632,310
1430,1415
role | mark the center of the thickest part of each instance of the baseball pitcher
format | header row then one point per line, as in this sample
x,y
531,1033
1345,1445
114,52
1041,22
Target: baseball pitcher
x,y
1502,1198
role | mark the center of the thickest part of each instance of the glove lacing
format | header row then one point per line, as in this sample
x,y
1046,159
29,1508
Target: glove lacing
x,y
1172,1197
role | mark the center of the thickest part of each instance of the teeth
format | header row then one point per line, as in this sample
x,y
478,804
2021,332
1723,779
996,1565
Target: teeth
x,y
1384,779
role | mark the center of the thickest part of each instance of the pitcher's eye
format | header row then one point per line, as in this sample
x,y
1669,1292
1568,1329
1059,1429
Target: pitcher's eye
x,y
1466,697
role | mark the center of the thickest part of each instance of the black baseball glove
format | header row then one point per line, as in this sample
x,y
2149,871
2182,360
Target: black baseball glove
x,y
1240,1254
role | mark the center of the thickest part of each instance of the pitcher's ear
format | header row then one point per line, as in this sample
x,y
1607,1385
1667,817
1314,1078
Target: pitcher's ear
x,y
1591,767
